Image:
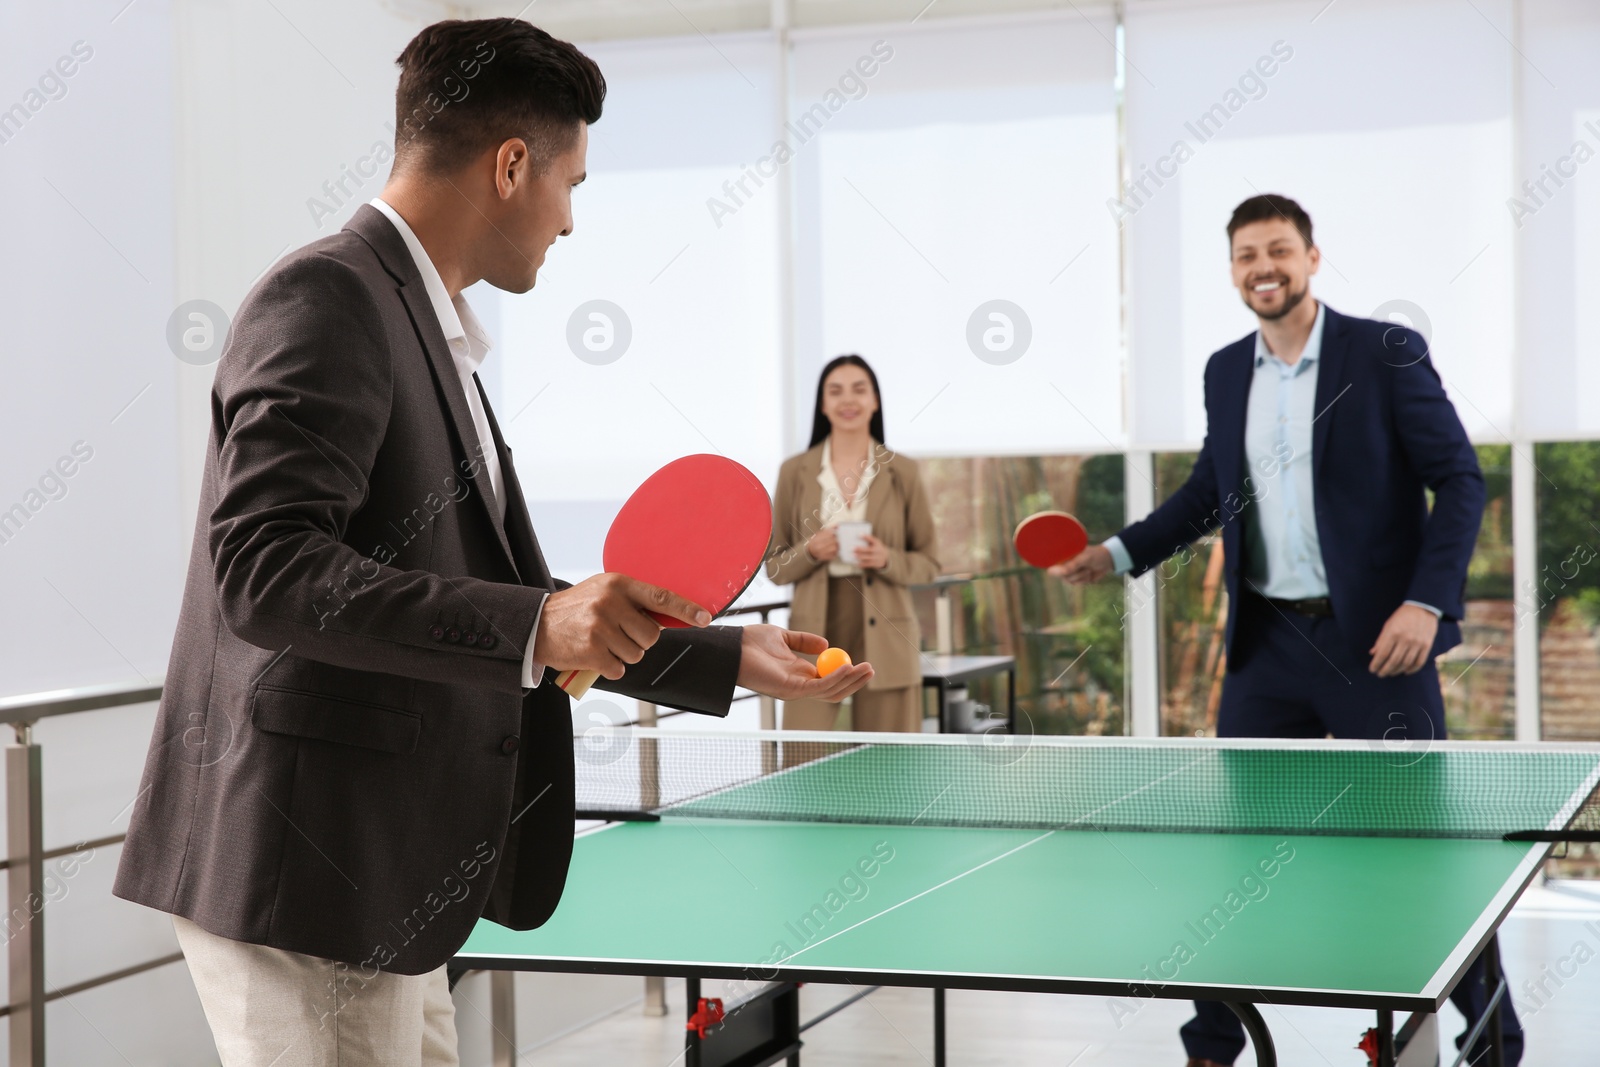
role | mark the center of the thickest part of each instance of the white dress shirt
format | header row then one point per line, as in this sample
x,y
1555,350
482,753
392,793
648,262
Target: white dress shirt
x,y
834,508
469,344
1282,549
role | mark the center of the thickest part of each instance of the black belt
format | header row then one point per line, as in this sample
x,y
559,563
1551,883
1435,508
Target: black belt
x,y
1313,607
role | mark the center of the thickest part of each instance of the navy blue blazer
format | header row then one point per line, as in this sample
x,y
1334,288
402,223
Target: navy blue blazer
x,y
1385,432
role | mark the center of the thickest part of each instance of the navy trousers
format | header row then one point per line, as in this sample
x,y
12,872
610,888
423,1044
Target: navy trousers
x,y
1295,677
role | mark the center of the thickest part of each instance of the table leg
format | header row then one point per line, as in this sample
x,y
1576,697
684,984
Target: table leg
x,y
938,1028
1385,1037
1492,986
655,996
503,1017
1260,1036
1487,1025
691,1040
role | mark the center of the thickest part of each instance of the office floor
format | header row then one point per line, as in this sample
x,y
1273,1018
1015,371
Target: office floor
x,y
1552,938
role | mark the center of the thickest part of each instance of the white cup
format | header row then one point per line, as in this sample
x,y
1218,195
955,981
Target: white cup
x,y
850,535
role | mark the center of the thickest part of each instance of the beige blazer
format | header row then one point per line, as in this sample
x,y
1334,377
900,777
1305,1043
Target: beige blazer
x,y
898,509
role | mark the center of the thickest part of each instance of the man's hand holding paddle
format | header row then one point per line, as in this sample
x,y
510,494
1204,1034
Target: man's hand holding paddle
x,y
683,548
1090,565
602,623
1058,544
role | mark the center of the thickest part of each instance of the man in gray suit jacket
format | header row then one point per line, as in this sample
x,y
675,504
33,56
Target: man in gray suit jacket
x,y
360,750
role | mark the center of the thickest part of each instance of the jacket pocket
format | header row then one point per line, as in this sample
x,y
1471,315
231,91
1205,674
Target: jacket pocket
x,y
345,722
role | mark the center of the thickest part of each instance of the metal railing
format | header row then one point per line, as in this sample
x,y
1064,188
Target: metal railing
x,y
26,854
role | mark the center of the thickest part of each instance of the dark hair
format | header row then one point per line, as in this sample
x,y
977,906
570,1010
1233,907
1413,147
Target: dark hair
x,y
1270,206
468,86
820,426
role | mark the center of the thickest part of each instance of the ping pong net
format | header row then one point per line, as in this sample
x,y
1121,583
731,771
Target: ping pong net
x,y
1532,792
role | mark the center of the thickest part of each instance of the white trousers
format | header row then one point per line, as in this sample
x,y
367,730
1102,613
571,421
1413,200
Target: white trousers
x,y
272,1008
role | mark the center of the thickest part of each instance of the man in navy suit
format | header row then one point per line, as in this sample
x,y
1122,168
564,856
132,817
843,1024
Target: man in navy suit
x,y
1323,434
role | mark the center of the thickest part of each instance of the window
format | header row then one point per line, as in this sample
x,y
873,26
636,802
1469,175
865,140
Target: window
x,y
1193,601
1477,675
1068,641
1568,589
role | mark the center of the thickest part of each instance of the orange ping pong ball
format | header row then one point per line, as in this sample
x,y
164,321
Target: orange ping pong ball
x,y
831,660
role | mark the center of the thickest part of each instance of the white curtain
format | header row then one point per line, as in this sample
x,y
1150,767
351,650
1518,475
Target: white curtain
x,y
654,332
1555,204
950,228
1390,124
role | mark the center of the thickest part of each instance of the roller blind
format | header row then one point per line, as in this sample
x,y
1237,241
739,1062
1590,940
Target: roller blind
x,y
950,228
1555,209
1390,123
654,330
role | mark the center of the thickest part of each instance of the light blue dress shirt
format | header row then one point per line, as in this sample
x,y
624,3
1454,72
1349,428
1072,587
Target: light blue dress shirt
x,y
1282,550
1282,553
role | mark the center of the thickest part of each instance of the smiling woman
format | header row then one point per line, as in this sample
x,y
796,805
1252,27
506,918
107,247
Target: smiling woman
x,y
852,530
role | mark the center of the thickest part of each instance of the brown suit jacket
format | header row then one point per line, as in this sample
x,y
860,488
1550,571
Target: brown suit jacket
x,y
898,509
344,762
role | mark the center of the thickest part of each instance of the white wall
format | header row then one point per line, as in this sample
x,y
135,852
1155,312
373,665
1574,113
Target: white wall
x,y
87,289
92,578
1555,209
277,106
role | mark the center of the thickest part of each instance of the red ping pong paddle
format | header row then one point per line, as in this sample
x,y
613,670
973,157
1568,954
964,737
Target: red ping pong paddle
x,y
1050,537
700,527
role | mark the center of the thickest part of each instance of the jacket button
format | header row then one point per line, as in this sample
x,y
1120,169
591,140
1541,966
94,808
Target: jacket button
x,y
470,637
869,579
872,622
453,635
486,641
509,745
436,632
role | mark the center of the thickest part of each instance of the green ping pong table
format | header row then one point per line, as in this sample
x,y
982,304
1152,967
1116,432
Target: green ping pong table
x,y
1346,874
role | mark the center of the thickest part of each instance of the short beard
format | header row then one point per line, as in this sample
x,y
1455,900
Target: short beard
x,y
1290,302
